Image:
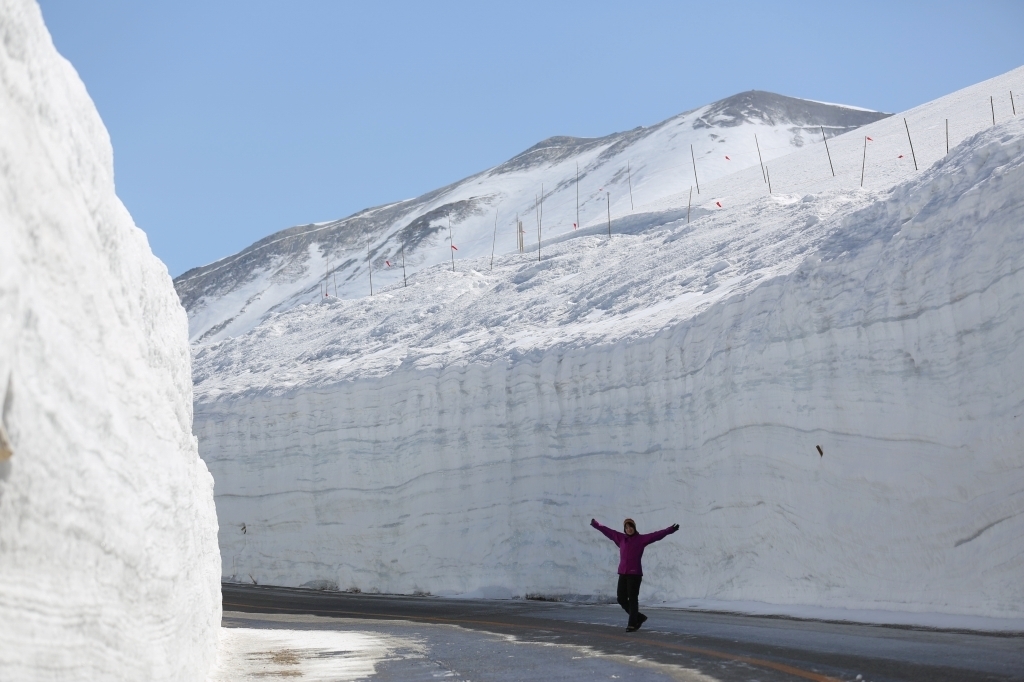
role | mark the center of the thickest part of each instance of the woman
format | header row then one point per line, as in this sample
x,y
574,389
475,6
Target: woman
x,y
631,548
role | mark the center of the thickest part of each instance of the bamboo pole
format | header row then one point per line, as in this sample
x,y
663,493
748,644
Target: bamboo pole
x,y
864,159
405,281
1012,105
694,159
992,103
451,240
577,194
827,151
759,159
907,126
768,177
688,202
494,239
947,135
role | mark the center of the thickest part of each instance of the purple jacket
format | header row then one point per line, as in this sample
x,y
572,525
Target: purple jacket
x,y
631,547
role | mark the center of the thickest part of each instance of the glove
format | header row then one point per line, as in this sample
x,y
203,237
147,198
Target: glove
x,y
593,522
675,527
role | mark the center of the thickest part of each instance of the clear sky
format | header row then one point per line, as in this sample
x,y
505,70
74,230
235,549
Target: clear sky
x,y
231,120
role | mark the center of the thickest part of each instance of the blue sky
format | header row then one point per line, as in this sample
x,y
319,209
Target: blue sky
x,y
232,120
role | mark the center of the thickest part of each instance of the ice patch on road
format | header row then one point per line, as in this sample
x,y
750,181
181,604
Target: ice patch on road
x,y
313,655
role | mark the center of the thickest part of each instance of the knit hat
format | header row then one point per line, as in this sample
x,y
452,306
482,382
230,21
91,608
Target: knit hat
x,y
629,522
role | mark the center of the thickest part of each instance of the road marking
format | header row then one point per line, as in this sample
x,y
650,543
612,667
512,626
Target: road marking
x,y
759,662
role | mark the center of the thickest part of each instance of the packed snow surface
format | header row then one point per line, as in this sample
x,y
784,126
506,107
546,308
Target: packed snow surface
x,y
108,534
457,435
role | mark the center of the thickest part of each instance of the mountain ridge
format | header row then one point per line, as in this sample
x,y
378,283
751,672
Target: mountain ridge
x,y
419,225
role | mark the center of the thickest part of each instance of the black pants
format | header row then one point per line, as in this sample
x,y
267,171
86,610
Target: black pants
x,y
628,594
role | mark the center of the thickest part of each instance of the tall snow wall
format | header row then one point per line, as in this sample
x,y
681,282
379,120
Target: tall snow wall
x,y
109,566
897,347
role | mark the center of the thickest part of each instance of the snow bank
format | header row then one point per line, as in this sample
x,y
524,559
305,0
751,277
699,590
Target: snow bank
x,y
108,555
458,435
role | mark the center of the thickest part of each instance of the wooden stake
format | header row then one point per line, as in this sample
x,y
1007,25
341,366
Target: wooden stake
x,y
694,159
1012,105
992,103
494,239
760,160
768,177
863,160
405,281
608,200
827,151
629,174
688,202
912,154
451,240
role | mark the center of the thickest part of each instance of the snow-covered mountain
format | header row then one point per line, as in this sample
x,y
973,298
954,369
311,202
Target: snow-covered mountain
x,y
631,169
109,568
457,435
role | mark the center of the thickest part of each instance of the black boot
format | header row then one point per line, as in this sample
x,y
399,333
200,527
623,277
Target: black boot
x,y
640,620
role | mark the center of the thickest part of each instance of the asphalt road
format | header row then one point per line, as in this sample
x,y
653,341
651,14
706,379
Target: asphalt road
x,y
725,647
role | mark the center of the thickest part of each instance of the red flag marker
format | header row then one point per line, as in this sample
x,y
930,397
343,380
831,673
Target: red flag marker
x,y
455,248
574,226
727,158
718,204
388,263
900,156
869,139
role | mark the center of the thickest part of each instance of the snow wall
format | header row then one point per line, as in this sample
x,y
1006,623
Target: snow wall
x,y
898,347
109,566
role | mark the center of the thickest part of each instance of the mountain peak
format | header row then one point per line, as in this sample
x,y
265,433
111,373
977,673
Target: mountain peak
x,y
769,108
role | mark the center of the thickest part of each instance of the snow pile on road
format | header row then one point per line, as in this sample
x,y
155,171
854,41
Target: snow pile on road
x,y
108,554
457,435
312,655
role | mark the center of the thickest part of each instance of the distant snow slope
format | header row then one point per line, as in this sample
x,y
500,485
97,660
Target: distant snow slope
x,y
634,168
108,554
457,435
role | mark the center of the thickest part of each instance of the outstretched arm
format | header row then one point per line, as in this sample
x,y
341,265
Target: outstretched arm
x,y
612,535
659,534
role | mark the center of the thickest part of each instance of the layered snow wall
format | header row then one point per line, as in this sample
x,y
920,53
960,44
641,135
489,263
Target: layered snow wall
x,y
109,566
891,337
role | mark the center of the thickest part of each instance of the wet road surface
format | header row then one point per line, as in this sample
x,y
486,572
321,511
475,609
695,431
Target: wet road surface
x,y
673,644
